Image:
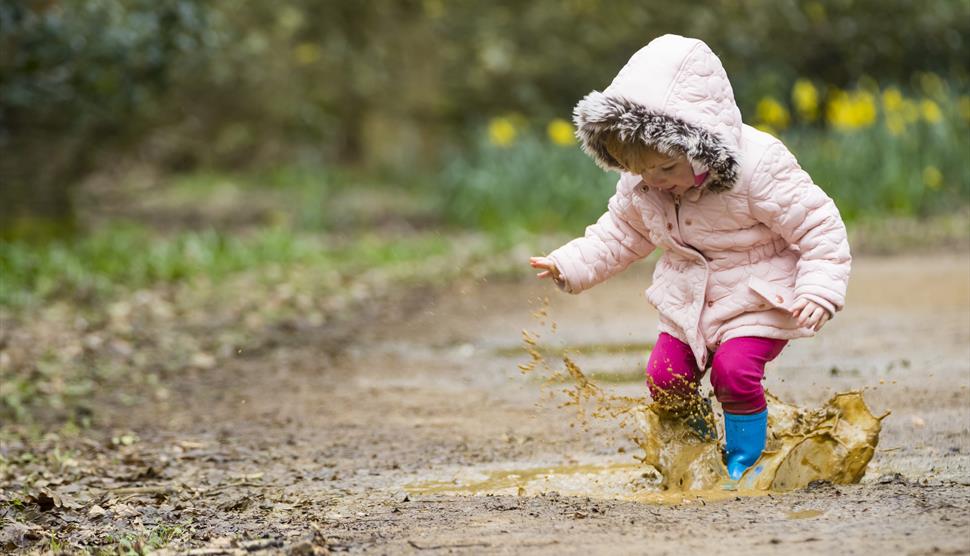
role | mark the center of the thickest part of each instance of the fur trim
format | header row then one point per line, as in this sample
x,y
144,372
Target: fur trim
x,y
598,114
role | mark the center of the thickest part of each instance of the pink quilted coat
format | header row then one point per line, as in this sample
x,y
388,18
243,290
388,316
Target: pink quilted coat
x,y
739,249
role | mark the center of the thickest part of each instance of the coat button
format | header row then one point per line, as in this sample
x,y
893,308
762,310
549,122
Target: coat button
x,y
710,303
687,221
670,226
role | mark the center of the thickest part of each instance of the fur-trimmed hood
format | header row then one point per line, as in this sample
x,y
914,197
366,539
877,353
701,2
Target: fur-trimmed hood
x,y
674,95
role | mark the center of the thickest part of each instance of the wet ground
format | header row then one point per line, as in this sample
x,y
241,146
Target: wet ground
x,y
379,449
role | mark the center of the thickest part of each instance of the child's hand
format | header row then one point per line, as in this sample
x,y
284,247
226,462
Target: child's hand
x,y
549,268
810,314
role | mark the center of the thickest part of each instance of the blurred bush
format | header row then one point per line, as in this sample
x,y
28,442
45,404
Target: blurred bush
x,y
81,82
243,84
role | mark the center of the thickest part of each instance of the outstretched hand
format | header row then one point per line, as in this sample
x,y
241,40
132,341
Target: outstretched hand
x,y
809,314
548,268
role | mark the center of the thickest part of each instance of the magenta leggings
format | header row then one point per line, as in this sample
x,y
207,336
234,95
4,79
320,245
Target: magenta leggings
x,y
737,368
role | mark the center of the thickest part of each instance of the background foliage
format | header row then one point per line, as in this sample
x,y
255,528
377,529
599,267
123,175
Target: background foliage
x,y
408,87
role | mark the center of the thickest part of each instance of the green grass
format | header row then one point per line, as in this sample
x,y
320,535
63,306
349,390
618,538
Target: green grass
x,y
131,257
872,174
190,299
158,537
532,185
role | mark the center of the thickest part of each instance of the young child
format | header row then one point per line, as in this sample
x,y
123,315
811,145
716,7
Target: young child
x,y
754,253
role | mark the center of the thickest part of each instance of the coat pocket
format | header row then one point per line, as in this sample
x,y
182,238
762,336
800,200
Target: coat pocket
x,y
779,297
662,291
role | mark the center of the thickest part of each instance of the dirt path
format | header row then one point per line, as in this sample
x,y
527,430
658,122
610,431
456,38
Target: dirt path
x,y
296,447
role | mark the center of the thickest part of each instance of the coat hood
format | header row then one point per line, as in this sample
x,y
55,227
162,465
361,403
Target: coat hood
x,y
674,95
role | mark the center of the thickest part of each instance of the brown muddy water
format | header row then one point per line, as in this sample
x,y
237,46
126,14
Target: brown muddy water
x,y
424,436
833,443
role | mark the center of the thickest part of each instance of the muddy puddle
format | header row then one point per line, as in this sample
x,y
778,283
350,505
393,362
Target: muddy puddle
x,y
833,443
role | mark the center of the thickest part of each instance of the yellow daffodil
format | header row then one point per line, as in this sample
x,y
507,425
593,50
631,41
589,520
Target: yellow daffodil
x,y
892,100
804,96
771,112
502,132
847,111
930,111
932,177
560,132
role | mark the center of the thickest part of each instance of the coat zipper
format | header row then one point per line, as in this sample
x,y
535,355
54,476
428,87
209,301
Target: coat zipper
x,y
677,217
679,231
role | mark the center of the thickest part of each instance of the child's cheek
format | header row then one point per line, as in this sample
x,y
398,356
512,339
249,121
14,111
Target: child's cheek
x,y
684,178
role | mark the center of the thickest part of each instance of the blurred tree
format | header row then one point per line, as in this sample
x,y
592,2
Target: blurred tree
x,y
79,81
391,81
243,83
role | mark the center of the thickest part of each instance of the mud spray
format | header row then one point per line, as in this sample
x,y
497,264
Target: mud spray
x,y
832,443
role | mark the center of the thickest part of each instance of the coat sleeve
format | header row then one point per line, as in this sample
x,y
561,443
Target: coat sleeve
x,y
610,245
784,198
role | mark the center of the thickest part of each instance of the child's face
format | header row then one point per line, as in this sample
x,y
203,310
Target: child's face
x,y
658,170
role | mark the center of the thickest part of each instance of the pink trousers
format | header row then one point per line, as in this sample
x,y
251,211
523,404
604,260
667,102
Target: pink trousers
x,y
737,368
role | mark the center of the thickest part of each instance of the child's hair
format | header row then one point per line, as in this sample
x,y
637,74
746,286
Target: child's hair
x,y
628,152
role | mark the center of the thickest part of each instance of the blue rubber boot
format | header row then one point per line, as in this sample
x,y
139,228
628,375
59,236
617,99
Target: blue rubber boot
x,y
744,440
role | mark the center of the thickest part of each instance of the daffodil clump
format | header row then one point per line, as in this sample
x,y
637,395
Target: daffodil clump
x,y
504,131
881,150
864,107
876,149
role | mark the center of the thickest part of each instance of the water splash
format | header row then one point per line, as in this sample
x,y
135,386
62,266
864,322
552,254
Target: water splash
x,y
678,465
832,443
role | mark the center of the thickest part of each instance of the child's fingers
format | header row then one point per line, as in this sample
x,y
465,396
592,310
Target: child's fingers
x,y
822,321
813,317
540,262
543,274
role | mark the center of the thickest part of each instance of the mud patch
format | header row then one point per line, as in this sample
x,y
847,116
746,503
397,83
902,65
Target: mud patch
x,y
833,443
609,480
